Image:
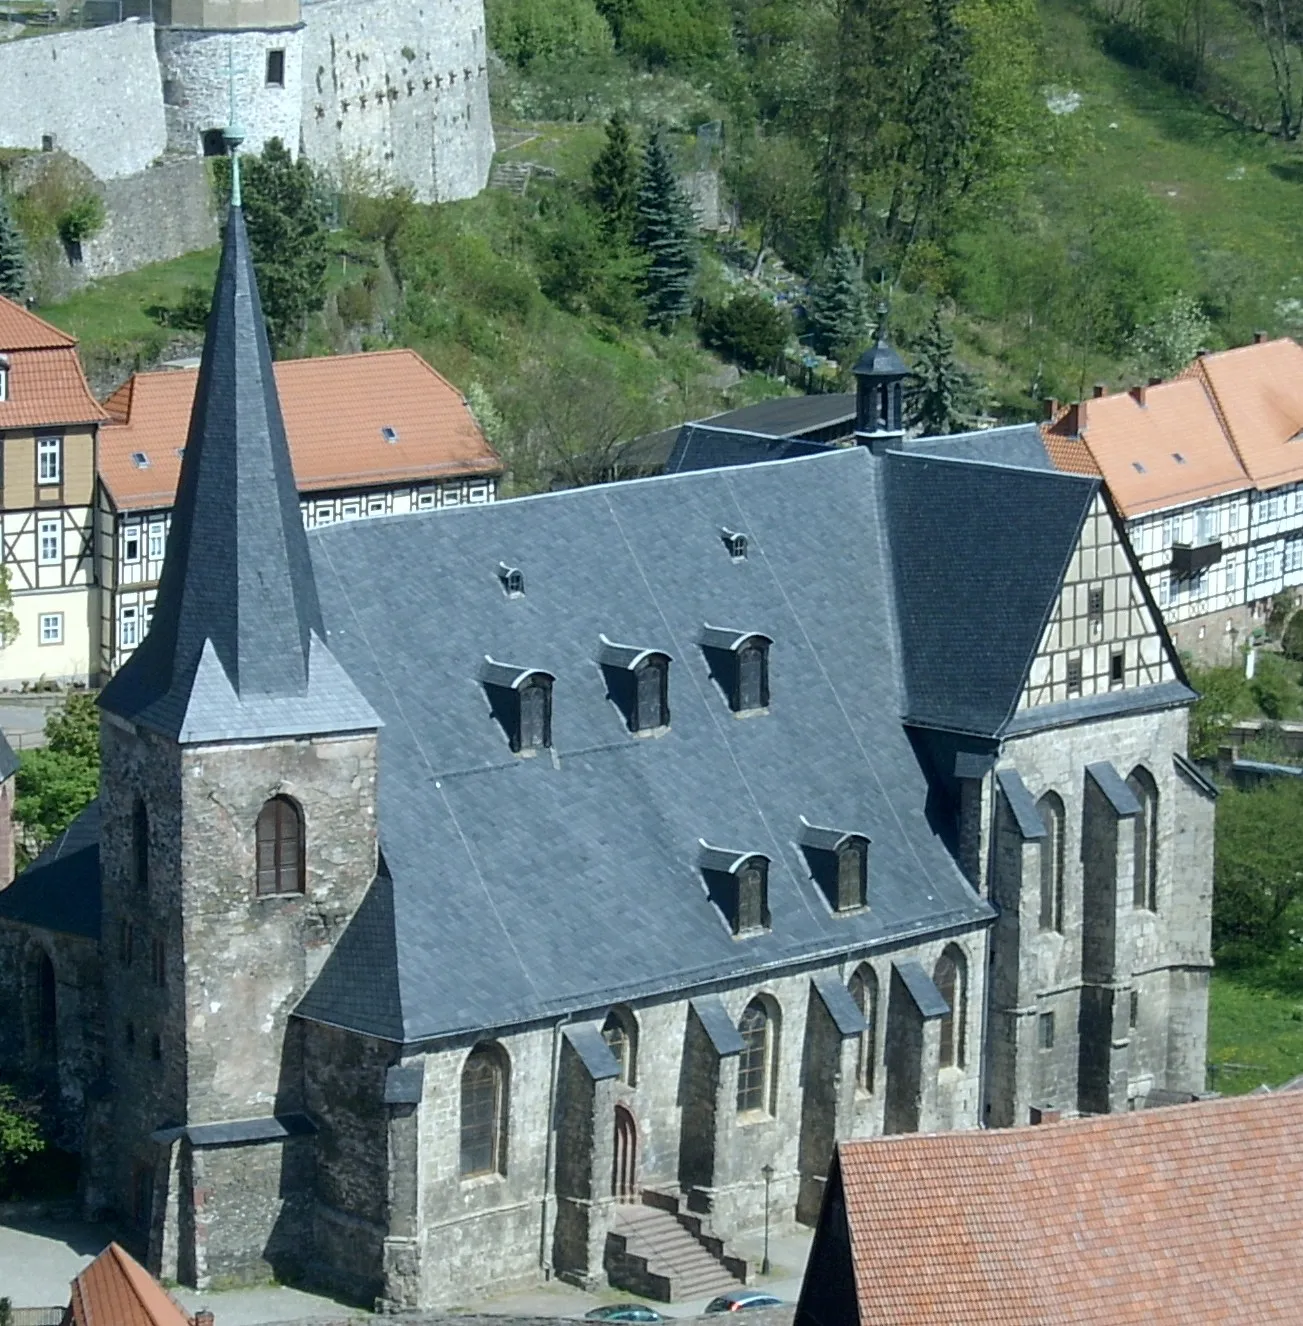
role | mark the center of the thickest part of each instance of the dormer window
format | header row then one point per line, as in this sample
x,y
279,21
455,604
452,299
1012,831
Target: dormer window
x,y
521,702
838,863
638,684
513,580
736,543
737,883
4,378
739,663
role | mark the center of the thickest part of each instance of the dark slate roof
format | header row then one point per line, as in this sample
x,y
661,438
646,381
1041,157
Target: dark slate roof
x,y
60,890
518,885
709,447
8,759
880,360
1018,444
790,416
974,587
237,621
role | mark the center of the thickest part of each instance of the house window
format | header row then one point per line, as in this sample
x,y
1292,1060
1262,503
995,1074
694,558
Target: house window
x,y
4,379
276,68
155,542
1051,848
621,1035
1294,553
351,510
1047,1031
755,1065
48,459
130,628
1144,827
1117,667
140,845
950,980
1095,605
280,848
483,1112
1074,675
50,538
52,628
131,543
864,990
651,695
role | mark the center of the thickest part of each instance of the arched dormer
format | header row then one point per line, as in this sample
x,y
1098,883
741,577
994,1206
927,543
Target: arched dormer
x,y
638,684
739,664
521,702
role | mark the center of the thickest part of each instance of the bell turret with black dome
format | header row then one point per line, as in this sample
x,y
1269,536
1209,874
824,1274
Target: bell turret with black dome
x,y
879,384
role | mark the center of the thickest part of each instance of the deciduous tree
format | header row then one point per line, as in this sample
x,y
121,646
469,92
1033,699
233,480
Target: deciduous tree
x,y
56,782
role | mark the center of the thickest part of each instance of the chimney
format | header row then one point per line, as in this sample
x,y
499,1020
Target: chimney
x,y
1049,407
202,1317
1259,337
1100,389
1075,423
1045,1115
1138,395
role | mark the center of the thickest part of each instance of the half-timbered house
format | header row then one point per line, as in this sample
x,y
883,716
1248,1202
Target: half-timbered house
x,y
544,887
48,426
373,434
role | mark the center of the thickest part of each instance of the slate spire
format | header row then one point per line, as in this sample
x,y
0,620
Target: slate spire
x,y
237,588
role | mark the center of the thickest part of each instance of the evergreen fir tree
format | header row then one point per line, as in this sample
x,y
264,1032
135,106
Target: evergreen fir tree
x,y
615,180
943,396
837,304
13,259
665,235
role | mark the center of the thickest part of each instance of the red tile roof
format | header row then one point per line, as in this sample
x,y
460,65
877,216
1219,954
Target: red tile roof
x,y
1190,1214
115,1290
334,408
46,385
1234,418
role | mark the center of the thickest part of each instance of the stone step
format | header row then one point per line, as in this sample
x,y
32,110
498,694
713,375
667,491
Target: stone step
x,y
670,1251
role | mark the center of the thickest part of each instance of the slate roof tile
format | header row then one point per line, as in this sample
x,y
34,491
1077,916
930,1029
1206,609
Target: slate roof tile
x,y
1189,1214
60,890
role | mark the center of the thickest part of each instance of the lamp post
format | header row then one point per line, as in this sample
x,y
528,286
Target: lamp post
x,y
768,1172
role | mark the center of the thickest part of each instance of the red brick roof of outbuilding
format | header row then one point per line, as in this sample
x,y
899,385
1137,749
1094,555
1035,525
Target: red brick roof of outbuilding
x,y
46,384
335,409
116,1290
1189,1214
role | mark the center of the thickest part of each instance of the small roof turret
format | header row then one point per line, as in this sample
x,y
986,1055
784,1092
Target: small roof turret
x,y
879,409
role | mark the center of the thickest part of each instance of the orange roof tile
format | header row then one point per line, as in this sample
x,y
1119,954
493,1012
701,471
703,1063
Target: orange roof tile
x,y
46,385
1190,1214
21,330
115,1290
334,410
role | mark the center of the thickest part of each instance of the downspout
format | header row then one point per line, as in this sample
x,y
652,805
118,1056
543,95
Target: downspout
x,y
989,932
544,1245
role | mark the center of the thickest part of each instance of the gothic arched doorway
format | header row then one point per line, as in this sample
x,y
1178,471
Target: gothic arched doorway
x,y
624,1169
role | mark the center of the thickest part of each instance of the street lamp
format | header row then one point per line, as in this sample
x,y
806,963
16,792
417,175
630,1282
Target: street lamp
x,y
768,1172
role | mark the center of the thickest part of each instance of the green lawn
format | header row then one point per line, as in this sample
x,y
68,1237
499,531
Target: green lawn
x,y
1258,1029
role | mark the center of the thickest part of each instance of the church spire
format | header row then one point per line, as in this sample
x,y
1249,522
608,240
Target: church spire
x,y
237,627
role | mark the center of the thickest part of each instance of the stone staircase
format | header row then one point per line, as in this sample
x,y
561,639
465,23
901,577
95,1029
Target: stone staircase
x,y
661,1253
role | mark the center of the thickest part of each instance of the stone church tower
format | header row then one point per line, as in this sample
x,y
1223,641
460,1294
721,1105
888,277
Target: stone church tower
x,y
230,734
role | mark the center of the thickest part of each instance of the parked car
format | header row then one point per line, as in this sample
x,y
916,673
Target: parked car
x,y
741,1300
624,1312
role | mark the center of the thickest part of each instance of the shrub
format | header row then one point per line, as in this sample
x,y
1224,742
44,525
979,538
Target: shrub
x,y
189,313
81,220
1275,687
1291,640
524,32
748,329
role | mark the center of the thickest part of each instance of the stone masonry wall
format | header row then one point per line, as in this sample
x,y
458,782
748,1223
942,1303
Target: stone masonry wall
x,y
97,93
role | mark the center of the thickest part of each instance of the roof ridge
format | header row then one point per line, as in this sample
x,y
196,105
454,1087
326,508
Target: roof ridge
x,y
1200,374
66,339
1052,474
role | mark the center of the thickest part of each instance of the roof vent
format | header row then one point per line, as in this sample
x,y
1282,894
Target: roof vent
x,y
389,434
140,460
737,883
513,580
1138,467
1180,459
735,543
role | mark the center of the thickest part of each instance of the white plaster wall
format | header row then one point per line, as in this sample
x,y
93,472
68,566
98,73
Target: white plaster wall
x,y
96,92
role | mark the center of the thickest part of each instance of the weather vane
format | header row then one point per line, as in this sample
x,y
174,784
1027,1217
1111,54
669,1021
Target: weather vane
x,y
234,134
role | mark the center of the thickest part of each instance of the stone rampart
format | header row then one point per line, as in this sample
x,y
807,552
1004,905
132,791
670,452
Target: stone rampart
x,y
96,94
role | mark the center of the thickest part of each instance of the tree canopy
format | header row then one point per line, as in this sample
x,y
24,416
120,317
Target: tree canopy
x,y
13,255
57,781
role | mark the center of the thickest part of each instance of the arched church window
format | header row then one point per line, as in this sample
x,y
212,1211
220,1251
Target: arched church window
x,y
1050,809
756,1079
951,980
864,990
140,845
483,1112
621,1034
1144,828
280,847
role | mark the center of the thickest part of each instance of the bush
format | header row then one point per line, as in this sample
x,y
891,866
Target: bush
x,y
748,329
189,313
524,32
81,220
1291,640
1275,687
1257,874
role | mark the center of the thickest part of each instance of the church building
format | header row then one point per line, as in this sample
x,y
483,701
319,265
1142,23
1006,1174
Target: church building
x,y
539,889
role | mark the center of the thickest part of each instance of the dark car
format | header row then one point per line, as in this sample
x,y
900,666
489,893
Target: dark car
x,y
623,1312
741,1300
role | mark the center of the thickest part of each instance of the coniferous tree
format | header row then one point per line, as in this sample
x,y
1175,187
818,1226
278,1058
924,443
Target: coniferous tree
x,y
837,304
13,258
615,180
665,235
943,396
